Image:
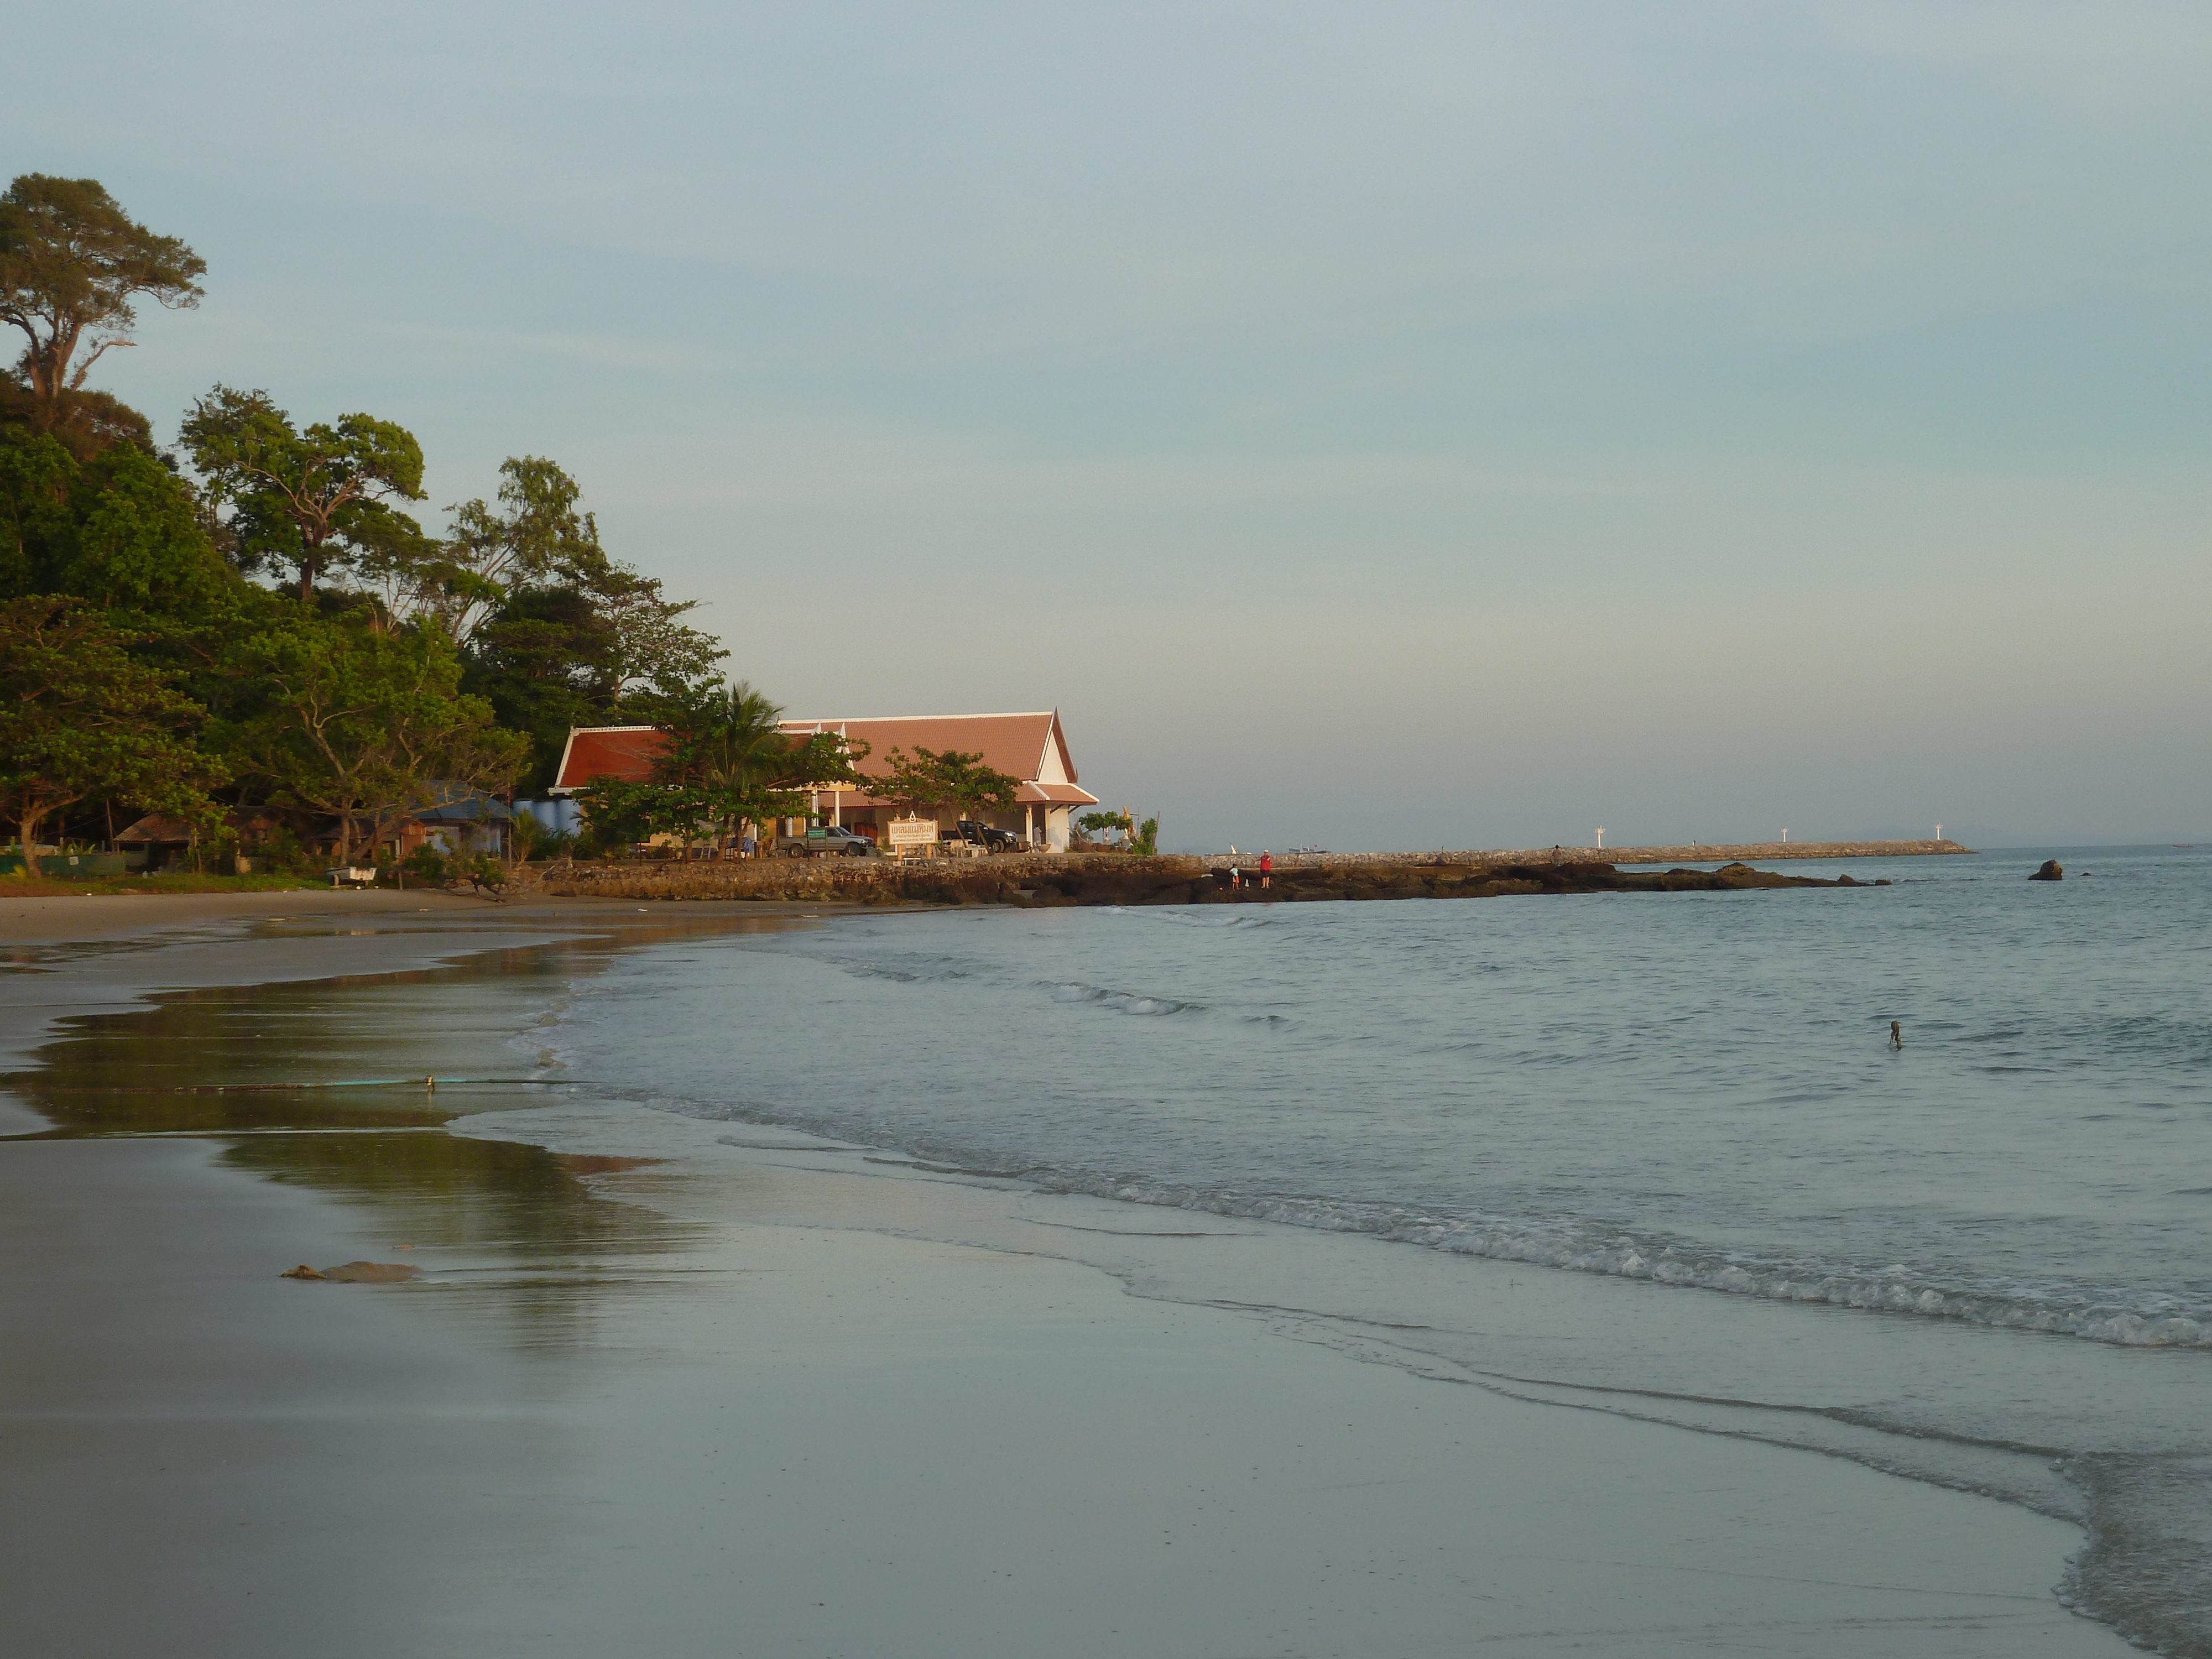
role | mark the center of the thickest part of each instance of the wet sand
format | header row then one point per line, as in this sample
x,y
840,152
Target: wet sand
x,y
748,1399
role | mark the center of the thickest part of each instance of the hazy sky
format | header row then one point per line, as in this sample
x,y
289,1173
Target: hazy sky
x,y
1376,425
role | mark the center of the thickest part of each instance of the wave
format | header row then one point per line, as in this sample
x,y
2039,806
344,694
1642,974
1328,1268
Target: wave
x,y
1121,1002
1180,918
1571,1246
2128,1319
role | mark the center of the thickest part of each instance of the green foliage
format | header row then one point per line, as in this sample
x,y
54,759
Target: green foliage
x,y
71,262
85,717
145,667
616,814
537,537
731,763
929,780
1147,844
282,850
557,632
119,530
366,724
482,869
313,499
427,863
87,422
727,763
431,865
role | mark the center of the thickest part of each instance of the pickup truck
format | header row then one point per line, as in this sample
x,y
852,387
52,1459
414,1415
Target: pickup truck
x,y
825,840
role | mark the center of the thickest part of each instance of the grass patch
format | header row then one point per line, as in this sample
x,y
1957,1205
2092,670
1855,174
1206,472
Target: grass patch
x,y
165,882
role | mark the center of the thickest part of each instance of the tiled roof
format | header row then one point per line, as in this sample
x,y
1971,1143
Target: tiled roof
x,y
622,752
1056,794
1015,744
458,803
1026,747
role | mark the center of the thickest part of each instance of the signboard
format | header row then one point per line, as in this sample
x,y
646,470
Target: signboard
x,y
913,832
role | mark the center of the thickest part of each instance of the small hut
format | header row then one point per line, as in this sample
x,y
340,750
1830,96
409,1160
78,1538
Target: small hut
x,y
459,819
155,842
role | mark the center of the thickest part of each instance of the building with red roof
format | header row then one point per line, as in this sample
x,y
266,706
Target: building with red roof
x,y
1030,748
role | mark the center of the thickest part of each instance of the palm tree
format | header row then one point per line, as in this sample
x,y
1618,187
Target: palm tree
x,y
725,744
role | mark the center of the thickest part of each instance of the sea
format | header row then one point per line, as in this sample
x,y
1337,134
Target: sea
x,y
1677,1124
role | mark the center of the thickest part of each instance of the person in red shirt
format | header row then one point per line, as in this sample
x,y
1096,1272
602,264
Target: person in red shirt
x,y
1266,867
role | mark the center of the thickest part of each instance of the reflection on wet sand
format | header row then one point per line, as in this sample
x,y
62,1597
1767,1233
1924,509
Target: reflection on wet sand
x,y
502,1229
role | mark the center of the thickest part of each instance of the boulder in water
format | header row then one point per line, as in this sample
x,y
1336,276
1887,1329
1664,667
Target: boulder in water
x,y
357,1273
2050,872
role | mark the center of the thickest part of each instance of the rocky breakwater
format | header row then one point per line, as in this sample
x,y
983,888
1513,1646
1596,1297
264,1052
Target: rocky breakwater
x,y
1688,852
1044,880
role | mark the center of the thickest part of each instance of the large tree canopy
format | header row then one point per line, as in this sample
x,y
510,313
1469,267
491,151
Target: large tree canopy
x,y
537,537
368,724
80,715
142,666
71,262
558,632
308,499
121,532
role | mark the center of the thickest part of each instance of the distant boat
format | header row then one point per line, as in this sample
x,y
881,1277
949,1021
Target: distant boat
x,y
2184,847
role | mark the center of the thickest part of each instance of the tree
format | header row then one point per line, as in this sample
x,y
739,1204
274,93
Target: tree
x,y
728,756
1097,824
83,717
370,725
71,262
618,813
929,780
38,480
119,530
312,498
536,537
557,632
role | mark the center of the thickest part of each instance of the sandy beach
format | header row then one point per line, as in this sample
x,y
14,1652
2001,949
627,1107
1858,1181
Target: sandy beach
x,y
686,1388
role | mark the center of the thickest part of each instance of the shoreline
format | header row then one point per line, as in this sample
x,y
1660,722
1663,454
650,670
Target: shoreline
x,y
1129,1475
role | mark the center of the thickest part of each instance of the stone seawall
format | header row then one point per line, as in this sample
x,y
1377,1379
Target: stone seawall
x,y
1004,879
1033,879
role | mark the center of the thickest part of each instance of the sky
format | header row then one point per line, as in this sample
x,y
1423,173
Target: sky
x,y
1382,426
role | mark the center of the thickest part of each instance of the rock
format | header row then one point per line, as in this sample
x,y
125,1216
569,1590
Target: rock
x,y
358,1272
2050,872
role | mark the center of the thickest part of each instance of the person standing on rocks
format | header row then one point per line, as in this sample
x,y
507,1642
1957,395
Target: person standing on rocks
x,y
1266,868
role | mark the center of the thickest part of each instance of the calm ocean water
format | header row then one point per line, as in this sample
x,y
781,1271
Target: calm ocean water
x,y
1690,1090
